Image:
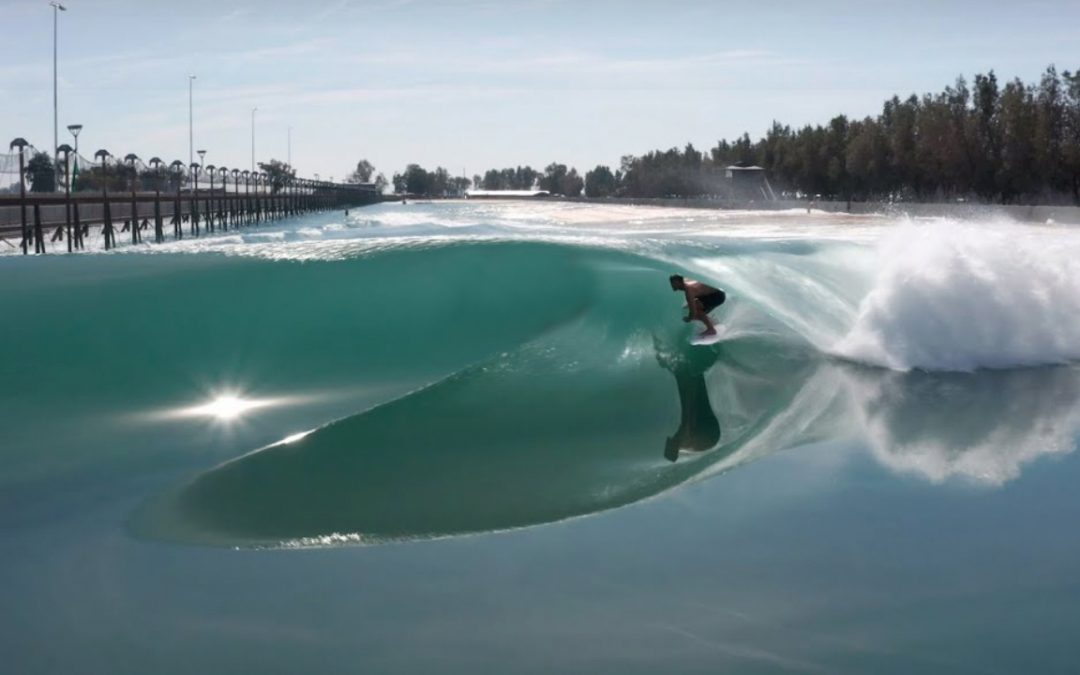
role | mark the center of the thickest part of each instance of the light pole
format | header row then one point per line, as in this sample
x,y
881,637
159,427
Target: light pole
x,y
191,119
289,155
247,196
194,229
202,163
75,129
155,164
253,110
21,144
57,8
107,231
177,168
210,202
226,206
132,158
66,149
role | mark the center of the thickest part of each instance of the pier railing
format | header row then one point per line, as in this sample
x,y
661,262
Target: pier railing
x,y
135,202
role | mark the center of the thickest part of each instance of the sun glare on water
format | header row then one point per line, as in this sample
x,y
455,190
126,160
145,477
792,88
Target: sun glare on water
x,y
226,407
293,438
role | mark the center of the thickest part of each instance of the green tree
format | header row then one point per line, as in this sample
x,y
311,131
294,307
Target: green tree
x,y
554,175
417,180
279,174
1016,173
985,135
600,182
1050,113
1071,133
363,173
42,173
572,184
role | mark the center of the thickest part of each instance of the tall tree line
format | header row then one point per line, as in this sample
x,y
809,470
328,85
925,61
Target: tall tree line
x,y
556,178
985,142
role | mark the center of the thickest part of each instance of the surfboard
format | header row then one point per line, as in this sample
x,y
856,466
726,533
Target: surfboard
x,y
699,339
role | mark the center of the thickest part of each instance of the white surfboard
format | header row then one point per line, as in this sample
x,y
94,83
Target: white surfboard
x,y
699,339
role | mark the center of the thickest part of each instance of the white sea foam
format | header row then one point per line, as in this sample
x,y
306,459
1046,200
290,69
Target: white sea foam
x,y
954,296
325,541
263,236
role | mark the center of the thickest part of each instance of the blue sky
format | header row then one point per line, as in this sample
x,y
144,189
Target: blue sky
x,y
477,84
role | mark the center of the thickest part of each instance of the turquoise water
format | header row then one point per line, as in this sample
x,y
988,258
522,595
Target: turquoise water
x,y
463,437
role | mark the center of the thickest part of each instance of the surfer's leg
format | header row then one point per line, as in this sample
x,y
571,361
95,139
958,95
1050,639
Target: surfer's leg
x,y
710,327
700,315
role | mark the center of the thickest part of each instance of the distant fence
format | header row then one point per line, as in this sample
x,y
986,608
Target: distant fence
x,y
132,201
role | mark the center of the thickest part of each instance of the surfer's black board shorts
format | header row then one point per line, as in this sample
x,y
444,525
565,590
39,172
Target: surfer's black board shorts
x,y
712,300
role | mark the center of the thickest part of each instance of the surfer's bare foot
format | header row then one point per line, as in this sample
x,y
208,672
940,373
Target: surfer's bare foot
x,y
708,332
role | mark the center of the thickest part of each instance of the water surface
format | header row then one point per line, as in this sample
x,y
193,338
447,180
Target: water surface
x,y
459,437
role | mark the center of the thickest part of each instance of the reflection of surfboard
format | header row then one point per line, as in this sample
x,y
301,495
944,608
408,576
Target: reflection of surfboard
x,y
699,339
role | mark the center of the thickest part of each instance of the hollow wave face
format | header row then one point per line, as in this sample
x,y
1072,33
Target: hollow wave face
x,y
604,407
568,387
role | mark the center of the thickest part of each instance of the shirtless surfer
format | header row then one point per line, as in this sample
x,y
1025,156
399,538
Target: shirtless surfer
x,y
700,300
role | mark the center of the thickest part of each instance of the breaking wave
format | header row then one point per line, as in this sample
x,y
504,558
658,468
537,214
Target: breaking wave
x,y
567,386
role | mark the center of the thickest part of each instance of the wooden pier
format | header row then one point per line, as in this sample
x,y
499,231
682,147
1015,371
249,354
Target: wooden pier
x,y
28,222
175,209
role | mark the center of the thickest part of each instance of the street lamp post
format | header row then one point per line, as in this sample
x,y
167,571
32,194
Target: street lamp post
x,y
247,196
66,149
255,202
226,205
21,143
178,172
210,202
57,8
107,231
201,162
132,158
74,129
195,199
191,120
236,198
155,164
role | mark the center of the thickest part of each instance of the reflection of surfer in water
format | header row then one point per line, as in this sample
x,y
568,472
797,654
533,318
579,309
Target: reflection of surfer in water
x,y
699,429
700,300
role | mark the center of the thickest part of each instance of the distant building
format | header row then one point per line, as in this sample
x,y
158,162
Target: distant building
x,y
506,194
749,182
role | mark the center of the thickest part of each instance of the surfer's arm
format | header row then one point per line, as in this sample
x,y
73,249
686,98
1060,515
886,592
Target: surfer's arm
x,y
692,307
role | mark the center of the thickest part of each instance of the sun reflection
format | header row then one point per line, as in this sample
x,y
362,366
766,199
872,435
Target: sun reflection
x,y
293,438
226,407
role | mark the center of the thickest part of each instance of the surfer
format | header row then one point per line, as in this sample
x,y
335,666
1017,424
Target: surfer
x,y
700,300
